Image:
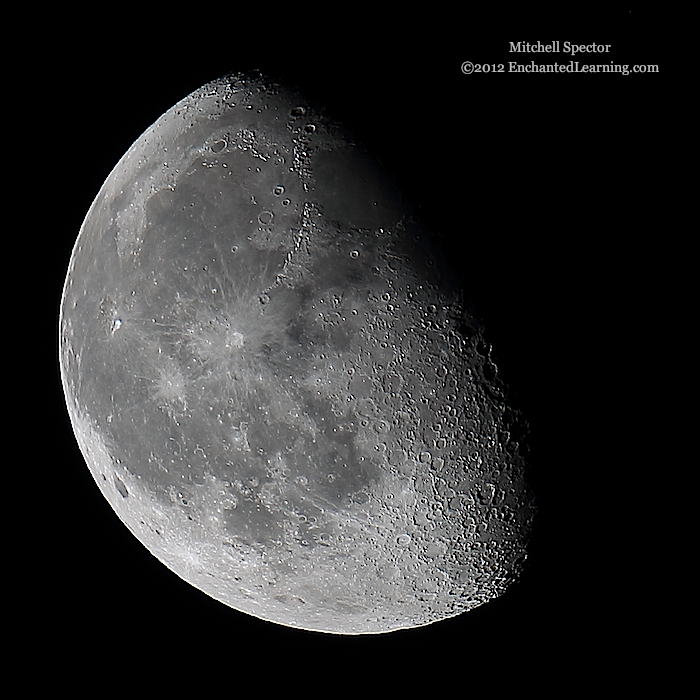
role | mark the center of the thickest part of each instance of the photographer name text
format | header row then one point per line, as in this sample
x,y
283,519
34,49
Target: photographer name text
x,y
555,47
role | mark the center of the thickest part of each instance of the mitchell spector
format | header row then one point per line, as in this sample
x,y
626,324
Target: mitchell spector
x,y
573,49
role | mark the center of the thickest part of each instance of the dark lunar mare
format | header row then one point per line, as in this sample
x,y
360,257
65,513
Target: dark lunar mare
x,y
273,378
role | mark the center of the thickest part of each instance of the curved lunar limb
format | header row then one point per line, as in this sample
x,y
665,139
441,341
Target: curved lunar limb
x,y
273,379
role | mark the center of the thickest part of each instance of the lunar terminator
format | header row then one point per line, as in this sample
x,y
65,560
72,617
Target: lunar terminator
x,y
273,379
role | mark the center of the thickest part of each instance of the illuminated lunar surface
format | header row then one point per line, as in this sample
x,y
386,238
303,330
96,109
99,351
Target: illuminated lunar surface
x,y
273,380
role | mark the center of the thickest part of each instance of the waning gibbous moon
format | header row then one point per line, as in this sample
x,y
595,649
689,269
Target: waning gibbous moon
x,y
273,379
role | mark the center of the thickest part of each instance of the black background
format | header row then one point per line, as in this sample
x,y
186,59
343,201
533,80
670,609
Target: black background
x,y
544,185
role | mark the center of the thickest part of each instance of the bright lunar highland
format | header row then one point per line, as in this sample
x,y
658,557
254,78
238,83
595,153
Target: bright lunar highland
x,y
272,377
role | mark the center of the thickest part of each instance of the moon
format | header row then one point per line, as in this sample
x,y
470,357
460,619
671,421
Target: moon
x,y
272,376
